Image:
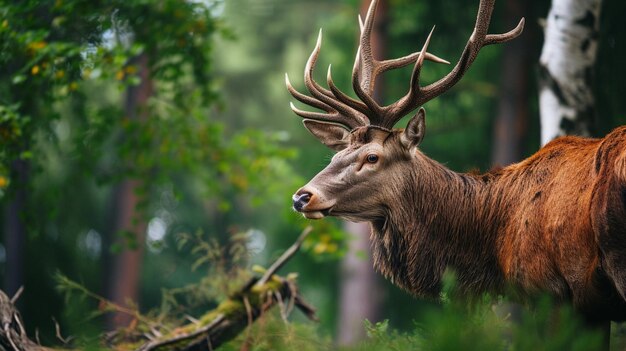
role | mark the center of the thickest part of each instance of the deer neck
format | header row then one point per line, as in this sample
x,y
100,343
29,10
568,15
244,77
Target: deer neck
x,y
436,226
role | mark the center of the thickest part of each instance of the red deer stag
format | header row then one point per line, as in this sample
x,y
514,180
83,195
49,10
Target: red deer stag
x,y
555,222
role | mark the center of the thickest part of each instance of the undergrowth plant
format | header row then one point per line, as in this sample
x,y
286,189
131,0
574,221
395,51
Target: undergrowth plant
x,y
455,323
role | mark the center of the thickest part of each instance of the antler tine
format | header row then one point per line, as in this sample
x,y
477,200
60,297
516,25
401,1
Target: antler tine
x,y
409,59
363,72
417,95
315,89
332,117
339,107
473,46
477,41
305,99
367,68
344,110
504,37
367,61
396,111
379,67
355,104
417,69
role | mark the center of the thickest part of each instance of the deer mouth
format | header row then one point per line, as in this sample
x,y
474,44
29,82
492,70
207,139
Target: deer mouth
x,y
316,214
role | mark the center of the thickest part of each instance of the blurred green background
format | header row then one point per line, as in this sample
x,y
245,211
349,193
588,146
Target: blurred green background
x,y
128,125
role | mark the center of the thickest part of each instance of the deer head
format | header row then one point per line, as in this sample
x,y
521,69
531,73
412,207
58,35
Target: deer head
x,y
359,183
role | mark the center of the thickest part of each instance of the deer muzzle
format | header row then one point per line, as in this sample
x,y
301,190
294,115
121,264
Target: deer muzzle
x,y
310,205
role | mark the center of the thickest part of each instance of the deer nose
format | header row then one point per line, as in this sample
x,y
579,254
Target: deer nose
x,y
300,199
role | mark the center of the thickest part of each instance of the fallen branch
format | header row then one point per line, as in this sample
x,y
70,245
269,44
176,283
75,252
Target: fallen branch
x,y
240,310
13,334
286,256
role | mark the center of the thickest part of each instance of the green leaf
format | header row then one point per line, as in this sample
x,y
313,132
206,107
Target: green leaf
x,y
18,78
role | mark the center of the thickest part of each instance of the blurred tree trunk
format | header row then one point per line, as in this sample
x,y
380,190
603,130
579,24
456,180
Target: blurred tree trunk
x,y
15,228
360,288
360,296
125,267
566,101
511,124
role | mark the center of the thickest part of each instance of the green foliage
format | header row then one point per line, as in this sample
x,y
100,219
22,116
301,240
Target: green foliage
x,y
11,129
272,333
459,325
223,270
327,242
50,50
66,71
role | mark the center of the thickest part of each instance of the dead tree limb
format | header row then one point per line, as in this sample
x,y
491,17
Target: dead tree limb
x,y
13,334
232,316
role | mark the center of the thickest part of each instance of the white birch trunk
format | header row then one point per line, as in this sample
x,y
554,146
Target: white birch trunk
x,y
566,101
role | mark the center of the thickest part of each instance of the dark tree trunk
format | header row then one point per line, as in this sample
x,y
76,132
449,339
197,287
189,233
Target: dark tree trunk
x,y
15,228
511,124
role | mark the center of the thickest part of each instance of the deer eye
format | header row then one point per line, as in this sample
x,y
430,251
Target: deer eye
x,y
372,158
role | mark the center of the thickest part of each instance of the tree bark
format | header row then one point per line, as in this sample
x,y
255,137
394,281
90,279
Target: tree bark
x,y
566,101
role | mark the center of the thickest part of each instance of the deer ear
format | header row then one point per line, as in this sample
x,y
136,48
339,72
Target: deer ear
x,y
414,132
333,135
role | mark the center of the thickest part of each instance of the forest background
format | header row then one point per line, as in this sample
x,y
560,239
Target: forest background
x,y
146,146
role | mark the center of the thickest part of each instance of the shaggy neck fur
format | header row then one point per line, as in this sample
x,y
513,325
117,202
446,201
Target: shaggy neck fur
x,y
437,226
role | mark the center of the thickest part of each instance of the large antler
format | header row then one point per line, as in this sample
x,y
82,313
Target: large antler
x,y
344,110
